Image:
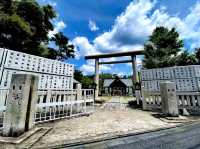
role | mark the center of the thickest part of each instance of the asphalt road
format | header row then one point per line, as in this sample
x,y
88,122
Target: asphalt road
x,y
184,137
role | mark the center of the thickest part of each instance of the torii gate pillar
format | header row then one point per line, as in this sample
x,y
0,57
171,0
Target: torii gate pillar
x,y
135,77
134,67
96,77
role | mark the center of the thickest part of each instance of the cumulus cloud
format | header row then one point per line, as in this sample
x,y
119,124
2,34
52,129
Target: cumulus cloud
x,y
132,28
88,68
92,25
59,25
50,2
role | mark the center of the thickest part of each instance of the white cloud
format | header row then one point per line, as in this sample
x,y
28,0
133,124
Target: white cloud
x,y
83,47
50,2
88,68
60,25
132,28
92,25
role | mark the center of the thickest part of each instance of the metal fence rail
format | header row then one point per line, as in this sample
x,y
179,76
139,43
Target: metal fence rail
x,y
54,105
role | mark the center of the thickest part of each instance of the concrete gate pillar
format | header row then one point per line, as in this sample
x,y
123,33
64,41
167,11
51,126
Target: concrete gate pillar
x,y
21,104
168,98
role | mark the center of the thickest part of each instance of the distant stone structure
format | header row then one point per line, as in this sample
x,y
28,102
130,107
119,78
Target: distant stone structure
x,y
118,86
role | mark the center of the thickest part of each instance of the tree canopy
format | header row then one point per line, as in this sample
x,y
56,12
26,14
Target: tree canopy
x,y
25,25
163,45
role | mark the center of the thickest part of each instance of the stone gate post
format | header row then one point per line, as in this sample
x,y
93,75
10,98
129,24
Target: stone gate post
x,y
20,105
168,98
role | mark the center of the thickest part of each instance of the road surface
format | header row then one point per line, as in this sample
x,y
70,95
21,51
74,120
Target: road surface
x,y
184,137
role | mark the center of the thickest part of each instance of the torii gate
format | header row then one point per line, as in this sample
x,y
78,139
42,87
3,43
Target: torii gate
x,y
132,54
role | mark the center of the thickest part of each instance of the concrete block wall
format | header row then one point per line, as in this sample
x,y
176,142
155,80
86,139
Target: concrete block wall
x,y
186,78
52,74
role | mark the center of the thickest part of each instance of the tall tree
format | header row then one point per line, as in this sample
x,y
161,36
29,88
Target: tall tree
x,y
64,50
24,26
197,54
163,45
186,58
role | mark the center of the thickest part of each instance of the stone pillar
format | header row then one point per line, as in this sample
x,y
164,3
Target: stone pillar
x,y
79,92
135,77
21,104
168,98
144,96
96,78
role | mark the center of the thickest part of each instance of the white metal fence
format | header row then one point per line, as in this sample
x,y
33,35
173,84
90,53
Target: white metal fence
x,y
54,104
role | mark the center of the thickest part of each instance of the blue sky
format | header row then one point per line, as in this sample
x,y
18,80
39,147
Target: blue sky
x,y
120,25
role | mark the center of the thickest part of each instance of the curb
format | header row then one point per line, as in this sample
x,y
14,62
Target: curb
x,y
89,141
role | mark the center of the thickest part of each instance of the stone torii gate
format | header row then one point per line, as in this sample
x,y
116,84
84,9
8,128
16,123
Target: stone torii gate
x,y
132,54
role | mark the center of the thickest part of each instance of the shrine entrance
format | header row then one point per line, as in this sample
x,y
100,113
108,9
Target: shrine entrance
x,y
132,60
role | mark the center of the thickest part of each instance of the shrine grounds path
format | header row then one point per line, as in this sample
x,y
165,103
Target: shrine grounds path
x,y
112,119
115,125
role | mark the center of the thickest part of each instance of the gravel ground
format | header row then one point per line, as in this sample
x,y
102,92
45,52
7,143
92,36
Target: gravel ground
x,y
101,123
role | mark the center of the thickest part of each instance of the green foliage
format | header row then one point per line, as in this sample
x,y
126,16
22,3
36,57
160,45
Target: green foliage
x,y
14,31
105,76
78,75
24,26
64,50
186,58
197,54
86,81
162,47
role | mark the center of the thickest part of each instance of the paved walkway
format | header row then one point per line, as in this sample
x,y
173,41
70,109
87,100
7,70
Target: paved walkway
x,y
116,102
112,120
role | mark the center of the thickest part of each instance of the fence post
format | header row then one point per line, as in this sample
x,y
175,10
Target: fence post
x,y
168,98
79,91
85,98
144,104
21,105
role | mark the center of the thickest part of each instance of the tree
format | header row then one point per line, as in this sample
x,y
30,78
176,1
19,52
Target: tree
x,y
163,45
78,75
186,58
197,54
65,50
86,81
25,25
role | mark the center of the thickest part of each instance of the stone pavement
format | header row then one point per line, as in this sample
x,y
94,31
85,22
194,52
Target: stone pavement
x,y
117,102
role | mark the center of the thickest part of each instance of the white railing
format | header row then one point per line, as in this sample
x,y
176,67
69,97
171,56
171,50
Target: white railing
x,y
188,100
54,105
